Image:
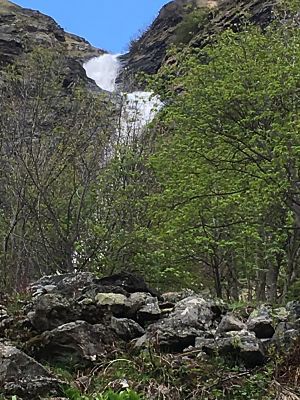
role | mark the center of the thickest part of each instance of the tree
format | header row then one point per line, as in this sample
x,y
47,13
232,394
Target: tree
x,y
228,163
52,146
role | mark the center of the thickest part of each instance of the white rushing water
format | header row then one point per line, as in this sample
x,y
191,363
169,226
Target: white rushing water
x,y
138,108
103,70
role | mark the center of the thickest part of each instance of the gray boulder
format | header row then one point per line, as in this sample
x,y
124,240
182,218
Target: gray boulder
x,y
75,343
115,303
285,335
21,375
131,283
194,311
230,323
261,323
144,307
240,346
69,285
174,297
126,329
191,316
293,309
50,311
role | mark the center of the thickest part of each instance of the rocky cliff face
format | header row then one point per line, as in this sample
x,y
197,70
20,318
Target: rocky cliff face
x,y
148,53
21,30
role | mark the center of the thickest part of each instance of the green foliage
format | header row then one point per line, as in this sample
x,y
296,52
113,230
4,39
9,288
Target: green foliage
x,y
294,291
123,395
74,394
227,166
177,376
190,25
52,135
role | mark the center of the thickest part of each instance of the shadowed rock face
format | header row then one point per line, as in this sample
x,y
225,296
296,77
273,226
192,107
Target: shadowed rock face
x,y
148,53
22,30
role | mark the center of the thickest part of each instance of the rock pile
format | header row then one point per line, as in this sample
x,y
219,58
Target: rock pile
x,y
79,319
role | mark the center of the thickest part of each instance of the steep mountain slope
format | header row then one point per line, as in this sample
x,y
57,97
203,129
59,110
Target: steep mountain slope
x,y
148,52
21,30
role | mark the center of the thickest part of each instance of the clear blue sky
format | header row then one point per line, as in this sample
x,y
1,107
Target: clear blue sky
x,y
108,24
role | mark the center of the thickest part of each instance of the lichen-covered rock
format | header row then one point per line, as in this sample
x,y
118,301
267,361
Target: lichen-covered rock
x,y
126,329
21,375
285,335
261,323
174,297
230,323
240,346
74,343
111,299
191,316
293,309
94,288
68,285
143,307
280,314
50,311
114,303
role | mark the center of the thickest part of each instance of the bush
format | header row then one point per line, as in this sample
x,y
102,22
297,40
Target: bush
x,y
190,26
74,394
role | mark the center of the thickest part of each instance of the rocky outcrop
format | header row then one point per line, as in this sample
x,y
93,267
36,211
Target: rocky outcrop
x,y
126,329
22,30
230,323
235,345
75,343
190,318
77,320
148,53
21,375
261,323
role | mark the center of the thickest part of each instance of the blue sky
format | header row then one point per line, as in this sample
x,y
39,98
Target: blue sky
x,y
108,24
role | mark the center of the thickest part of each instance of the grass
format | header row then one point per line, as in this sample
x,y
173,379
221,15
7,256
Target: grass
x,y
7,6
151,375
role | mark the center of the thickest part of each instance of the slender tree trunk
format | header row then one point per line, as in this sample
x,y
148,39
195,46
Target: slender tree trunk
x,y
217,278
233,280
271,282
261,285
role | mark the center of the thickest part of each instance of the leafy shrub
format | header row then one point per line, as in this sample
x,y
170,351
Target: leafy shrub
x,y
128,394
294,291
190,25
124,395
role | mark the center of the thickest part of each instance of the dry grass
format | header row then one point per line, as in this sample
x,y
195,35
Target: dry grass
x,y
6,5
284,393
288,372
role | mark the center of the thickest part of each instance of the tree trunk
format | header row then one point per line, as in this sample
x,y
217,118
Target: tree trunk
x,y
271,282
261,285
217,278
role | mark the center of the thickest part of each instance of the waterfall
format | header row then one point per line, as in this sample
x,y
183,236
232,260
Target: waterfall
x,y
103,70
138,108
